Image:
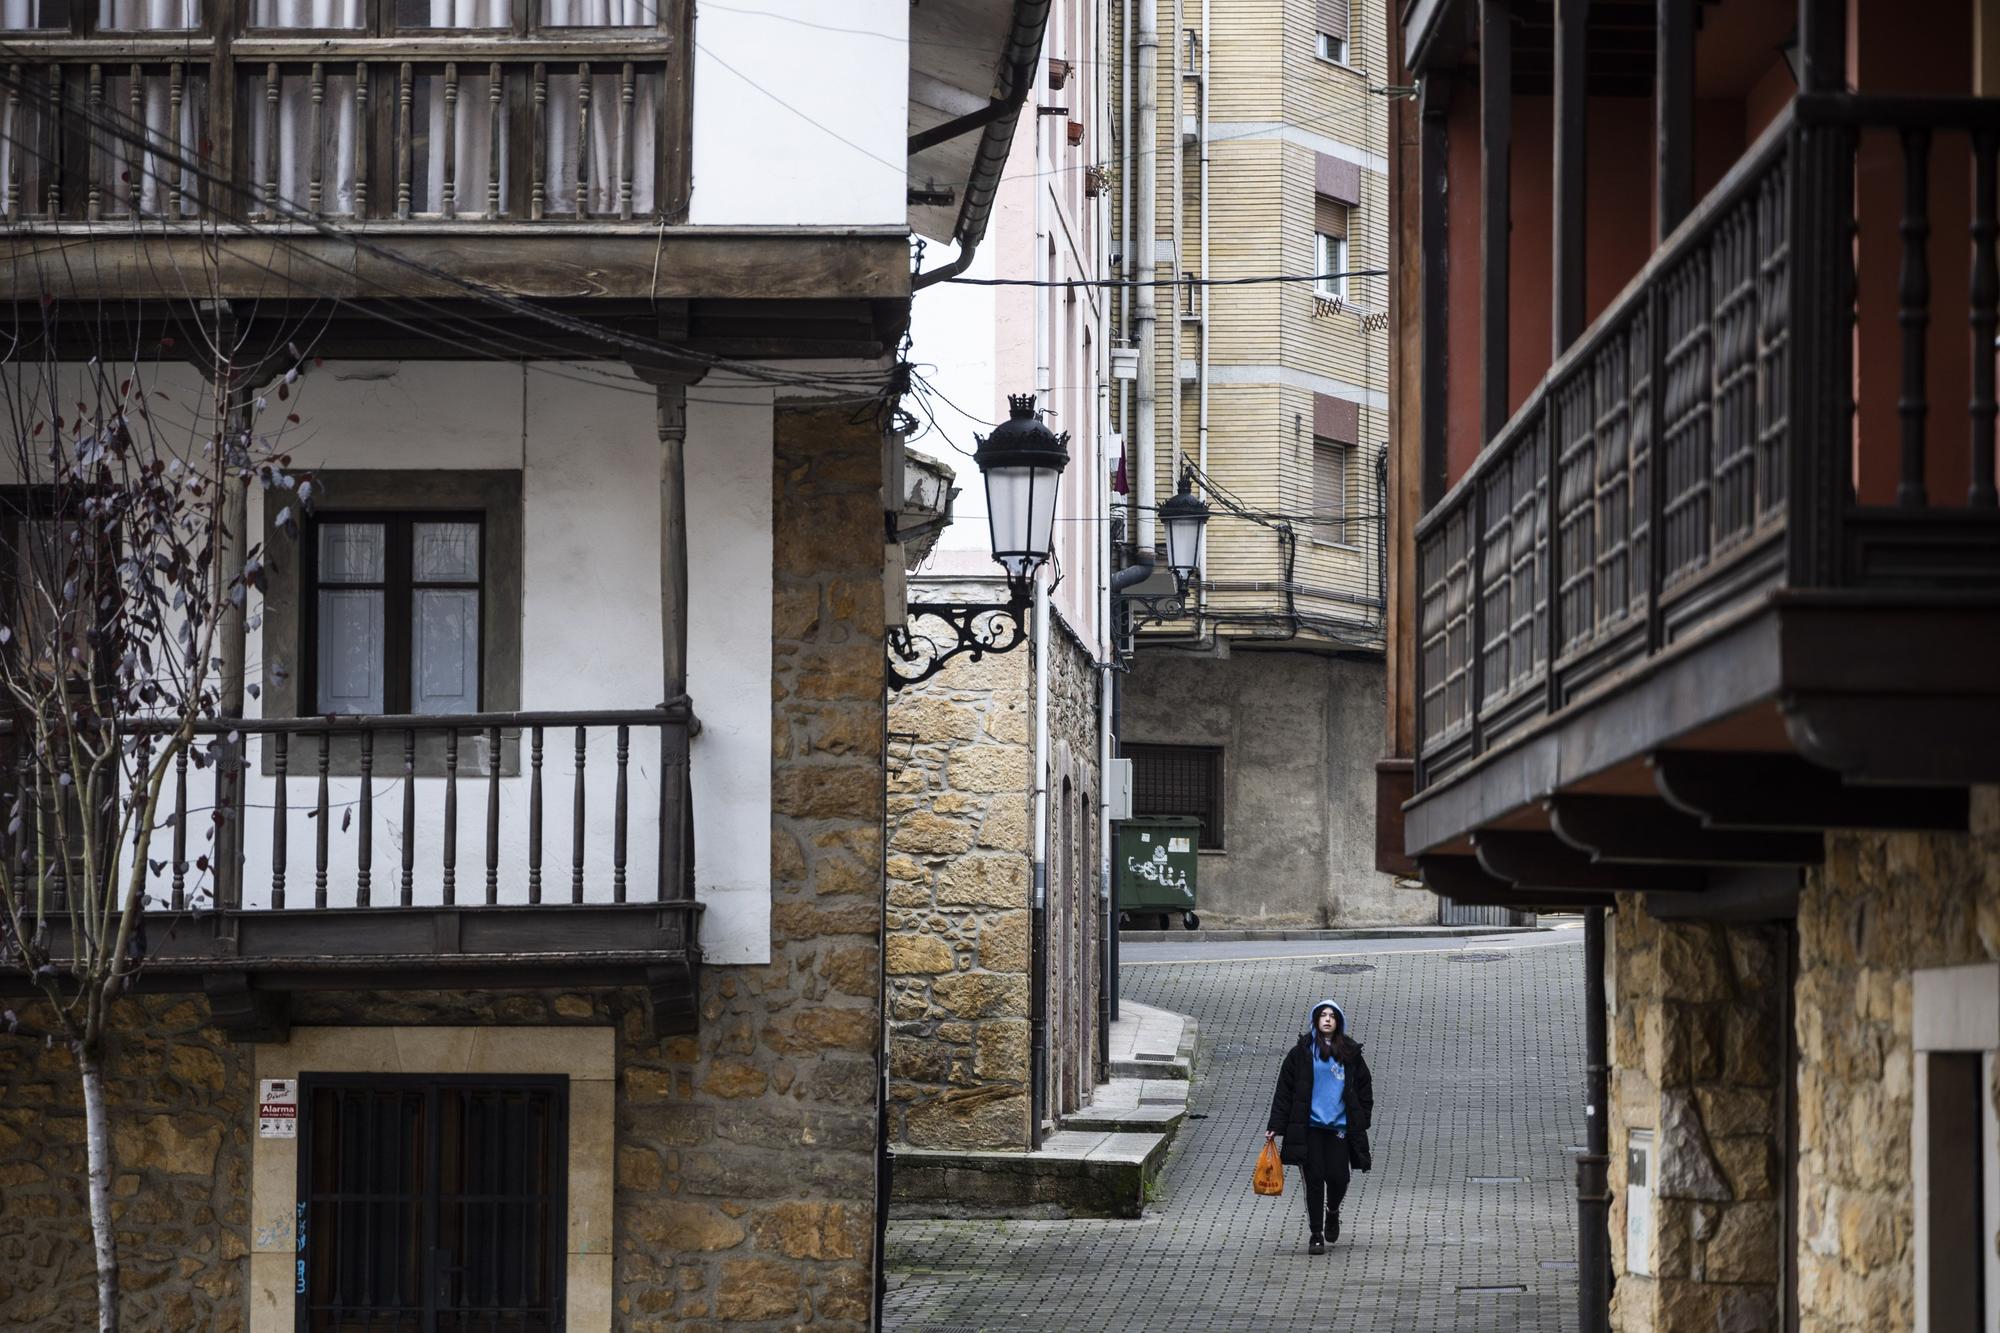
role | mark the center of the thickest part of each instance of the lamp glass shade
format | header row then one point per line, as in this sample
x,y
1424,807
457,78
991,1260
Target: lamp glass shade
x,y
1022,462
1184,543
1021,510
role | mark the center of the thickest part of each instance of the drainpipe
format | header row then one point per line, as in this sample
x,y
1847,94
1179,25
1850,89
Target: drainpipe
x,y
1101,493
1038,922
1147,244
1137,572
1593,1190
1199,300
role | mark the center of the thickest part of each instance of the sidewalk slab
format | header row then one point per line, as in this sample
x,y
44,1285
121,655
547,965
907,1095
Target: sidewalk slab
x,y
1076,1173
1301,933
1149,1043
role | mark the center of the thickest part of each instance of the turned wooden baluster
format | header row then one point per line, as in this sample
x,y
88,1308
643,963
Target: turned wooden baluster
x,y
1914,295
93,199
52,128
272,93
583,140
316,159
137,157
364,127
448,202
535,822
492,815
576,827
618,827
364,851
278,816
324,816
409,815
538,186
404,93
176,101
451,817
180,829
625,99
1985,317
495,122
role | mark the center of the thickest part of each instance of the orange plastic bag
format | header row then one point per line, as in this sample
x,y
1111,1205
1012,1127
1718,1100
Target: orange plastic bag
x,y
1270,1177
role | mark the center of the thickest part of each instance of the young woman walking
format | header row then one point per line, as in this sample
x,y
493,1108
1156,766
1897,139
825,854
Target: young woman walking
x,y
1324,1102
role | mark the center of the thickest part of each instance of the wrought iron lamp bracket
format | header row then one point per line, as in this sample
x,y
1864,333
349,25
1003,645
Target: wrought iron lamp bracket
x,y
973,629
1163,608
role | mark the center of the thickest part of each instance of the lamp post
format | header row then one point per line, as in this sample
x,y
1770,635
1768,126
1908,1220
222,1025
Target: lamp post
x,y
1022,463
1184,516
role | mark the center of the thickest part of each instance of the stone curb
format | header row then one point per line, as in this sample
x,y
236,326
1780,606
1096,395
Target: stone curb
x,y
1376,933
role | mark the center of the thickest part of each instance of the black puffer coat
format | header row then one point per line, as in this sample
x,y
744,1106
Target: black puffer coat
x,y
1291,1106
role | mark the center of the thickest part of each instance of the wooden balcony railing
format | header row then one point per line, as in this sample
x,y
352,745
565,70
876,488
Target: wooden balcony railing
x,y
357,813
495,130
1697,447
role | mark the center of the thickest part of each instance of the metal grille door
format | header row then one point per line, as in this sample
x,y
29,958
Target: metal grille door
x,y
432,1205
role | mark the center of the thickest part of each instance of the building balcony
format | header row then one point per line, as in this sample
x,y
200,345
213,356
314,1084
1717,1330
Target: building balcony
x,y
407,852
1730,576
380,165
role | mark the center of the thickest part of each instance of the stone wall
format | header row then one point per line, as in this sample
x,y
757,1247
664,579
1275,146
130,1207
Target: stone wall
x,y
182,1100
1697,1048
1882,905
1300,734
745,1173
961,868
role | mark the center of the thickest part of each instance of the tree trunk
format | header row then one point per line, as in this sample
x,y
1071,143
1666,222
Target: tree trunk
x,y
97,1137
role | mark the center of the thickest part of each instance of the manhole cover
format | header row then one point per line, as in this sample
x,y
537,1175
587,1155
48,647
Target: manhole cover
x,y
1344,969
1475,957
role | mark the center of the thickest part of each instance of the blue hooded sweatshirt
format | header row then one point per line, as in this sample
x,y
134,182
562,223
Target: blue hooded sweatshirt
x,y
1329,1105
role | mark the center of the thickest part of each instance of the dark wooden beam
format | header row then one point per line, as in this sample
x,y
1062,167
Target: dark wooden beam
x,y
1570,201
1544,861
243,1013
1496,136
674,995
1463,880
1762,894
1673,118
1907,740
1640,829
1784,792
1434,282
1822,46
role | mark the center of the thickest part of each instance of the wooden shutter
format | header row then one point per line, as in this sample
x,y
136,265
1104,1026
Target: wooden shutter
x,y
1333,18
1330,491
1329,216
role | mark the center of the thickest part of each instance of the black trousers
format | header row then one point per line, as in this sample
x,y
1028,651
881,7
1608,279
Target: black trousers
x,y
1327,1174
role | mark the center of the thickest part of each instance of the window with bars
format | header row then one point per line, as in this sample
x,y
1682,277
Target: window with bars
x,y
394,604
1179,780
432,1204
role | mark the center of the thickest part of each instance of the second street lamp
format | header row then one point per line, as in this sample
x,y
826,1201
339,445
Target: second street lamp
x,y
1184,517
1022,462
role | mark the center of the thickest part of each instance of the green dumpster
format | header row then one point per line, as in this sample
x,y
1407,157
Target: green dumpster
x,y
1158,865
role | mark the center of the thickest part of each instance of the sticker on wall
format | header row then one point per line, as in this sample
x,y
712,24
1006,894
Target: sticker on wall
x,y
277,1108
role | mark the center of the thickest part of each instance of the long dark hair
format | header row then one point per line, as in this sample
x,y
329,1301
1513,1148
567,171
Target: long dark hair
x,y
1336,1045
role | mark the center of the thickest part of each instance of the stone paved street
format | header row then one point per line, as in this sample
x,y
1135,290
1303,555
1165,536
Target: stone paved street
x,y
1476,1048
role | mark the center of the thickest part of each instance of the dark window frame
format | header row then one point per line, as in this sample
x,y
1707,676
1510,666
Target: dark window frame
x,y
398,588
432,1194
1147,800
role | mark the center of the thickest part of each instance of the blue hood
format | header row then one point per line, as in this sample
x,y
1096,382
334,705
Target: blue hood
x,y
1339,1016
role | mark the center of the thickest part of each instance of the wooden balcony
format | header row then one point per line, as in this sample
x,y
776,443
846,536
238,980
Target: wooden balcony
x,y
1669,628
378,166
419,852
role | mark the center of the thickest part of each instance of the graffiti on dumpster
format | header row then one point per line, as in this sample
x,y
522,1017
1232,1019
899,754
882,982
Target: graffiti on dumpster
x,y
1159,872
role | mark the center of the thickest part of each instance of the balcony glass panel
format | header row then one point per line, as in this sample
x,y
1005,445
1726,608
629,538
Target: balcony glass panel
x,y
148,15
310,14
29,15
599,14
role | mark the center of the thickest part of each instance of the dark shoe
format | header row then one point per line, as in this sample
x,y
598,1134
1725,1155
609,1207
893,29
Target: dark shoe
x,y
1333,1228
1318,1246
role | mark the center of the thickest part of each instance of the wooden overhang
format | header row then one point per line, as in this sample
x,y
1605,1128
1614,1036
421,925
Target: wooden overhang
x,y
1664,639
250,962
427,290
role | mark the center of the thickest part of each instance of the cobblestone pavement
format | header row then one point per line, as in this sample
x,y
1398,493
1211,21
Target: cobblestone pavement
x,y
1477,1054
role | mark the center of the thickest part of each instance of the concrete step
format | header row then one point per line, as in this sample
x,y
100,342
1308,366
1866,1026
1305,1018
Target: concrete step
x,y
1076,1173
1133,1105
1155,1045
1208,935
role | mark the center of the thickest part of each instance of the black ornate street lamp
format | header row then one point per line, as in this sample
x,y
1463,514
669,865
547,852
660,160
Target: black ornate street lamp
x,y
1022,463
1184,516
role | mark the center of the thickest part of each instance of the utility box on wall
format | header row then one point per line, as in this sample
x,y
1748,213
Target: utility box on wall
x,y
1118,791
1639,1202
